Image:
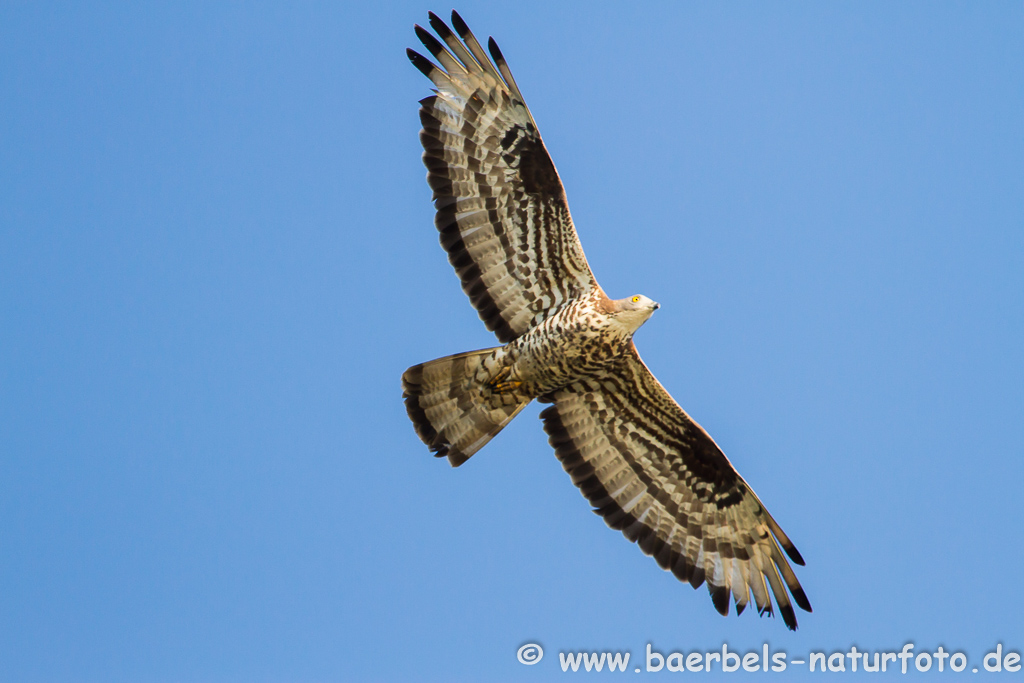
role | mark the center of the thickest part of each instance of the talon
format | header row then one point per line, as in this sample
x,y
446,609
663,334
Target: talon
x,y
506,387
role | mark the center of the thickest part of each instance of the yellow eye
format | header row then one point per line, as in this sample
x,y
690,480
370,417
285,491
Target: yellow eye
x,y
635,299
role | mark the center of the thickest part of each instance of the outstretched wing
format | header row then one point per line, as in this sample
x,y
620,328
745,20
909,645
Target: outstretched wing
x,y
501,209
656,475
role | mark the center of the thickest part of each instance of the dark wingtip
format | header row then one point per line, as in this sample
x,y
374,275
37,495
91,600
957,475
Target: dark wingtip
x,y
683,568
423,34
697,577
428,40
425,66
437,23
794,554
459,24
788,616
720,597
494,50
801,599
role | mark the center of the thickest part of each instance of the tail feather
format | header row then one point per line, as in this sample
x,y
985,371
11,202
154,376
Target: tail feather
x,y
454,408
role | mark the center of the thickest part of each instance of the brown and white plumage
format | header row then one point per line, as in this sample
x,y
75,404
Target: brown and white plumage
x,y
641,461
656,475
501,209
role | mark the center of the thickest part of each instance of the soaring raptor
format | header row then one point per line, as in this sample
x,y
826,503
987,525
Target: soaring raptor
x,y
641,461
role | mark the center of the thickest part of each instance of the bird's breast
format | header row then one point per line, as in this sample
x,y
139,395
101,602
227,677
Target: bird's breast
x,y
576,342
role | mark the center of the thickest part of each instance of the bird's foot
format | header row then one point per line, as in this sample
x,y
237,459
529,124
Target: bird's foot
x,y
506,387
501,384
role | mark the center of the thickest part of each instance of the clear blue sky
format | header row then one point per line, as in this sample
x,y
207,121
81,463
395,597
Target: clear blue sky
x,y
217,258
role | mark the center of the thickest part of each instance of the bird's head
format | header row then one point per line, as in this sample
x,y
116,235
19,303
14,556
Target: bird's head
x,y
633,311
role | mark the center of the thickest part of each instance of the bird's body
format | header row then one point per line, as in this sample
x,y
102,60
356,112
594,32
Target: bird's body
x,y
585,338
641,461
591,334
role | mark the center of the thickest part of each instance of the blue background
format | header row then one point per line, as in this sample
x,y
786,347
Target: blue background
x,y
217,258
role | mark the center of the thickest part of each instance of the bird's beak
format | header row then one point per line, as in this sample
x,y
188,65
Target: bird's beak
x,y
656,305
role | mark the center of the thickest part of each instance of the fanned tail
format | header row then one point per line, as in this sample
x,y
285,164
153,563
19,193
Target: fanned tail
x,y
454,407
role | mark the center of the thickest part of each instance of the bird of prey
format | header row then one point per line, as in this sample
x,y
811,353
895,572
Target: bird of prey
x,y
645,466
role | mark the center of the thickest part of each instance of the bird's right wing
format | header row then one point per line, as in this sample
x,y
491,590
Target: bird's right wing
x,y
501,209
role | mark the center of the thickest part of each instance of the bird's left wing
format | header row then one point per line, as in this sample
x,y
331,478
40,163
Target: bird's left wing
x,y
656,475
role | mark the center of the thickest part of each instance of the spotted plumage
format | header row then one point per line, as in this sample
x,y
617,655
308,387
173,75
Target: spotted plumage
x,y
641,461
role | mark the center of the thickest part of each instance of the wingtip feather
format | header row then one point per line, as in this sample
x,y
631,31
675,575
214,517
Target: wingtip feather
x,y
720,598
492,47
460,26
788,616
425,66
801,598
427,38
